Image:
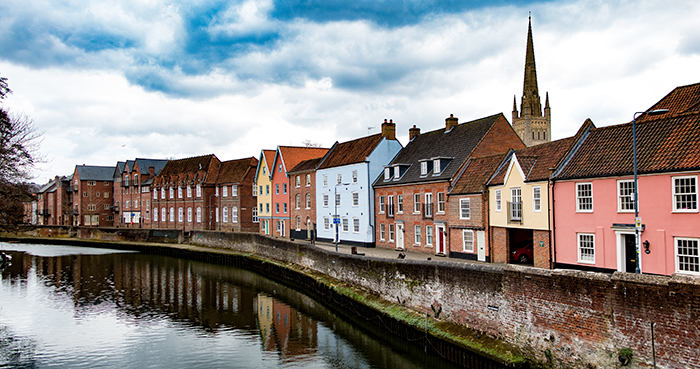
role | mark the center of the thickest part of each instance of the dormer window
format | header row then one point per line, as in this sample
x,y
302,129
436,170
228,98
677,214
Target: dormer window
x,y
387,174
436,166
397,172
424,168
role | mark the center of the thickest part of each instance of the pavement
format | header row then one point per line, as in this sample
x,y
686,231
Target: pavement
x,y
382,253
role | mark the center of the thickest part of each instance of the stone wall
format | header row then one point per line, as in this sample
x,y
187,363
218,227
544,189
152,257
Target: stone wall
x,y
561,317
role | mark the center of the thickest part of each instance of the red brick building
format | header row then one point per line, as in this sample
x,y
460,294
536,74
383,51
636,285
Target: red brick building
x,y
236,207
92,196
184,194
132,191
468,208
411,202
302,192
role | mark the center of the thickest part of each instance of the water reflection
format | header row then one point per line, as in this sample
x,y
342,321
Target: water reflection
x,y
133,310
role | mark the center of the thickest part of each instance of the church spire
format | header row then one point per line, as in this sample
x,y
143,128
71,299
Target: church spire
x,y
531,95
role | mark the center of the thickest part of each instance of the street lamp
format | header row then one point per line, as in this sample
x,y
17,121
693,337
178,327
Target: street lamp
x,y
637,219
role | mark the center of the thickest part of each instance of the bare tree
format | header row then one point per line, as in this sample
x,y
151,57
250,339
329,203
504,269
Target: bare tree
x,y
4,89
19,147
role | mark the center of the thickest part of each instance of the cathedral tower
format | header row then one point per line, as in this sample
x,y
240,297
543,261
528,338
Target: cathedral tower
x,y
531,124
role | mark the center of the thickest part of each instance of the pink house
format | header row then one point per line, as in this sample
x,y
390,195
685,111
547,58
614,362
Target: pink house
x,y
593,194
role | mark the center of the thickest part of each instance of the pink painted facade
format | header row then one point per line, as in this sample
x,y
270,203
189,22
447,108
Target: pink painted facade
x,y
666,227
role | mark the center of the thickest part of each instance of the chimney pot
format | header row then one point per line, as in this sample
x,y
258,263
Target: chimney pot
x,y
413,132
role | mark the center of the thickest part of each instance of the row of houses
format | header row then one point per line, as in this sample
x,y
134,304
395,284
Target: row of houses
x,y
483,190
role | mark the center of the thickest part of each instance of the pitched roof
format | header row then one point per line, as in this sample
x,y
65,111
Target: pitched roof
x,y
95,173
682,100
234,171
292,155
145,164
536,161
664,144
119,169
198,169
351,152
457,144
269,156
477,173
306,165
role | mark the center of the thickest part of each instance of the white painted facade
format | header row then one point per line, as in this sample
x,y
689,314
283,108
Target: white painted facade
x,y
356,207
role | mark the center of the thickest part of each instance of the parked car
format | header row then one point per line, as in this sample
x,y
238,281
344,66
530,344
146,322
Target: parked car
x,y
522,252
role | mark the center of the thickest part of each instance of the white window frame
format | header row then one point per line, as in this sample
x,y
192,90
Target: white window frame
x,y
224,191
423,168
354,176
162,192
516,194
356,225
436,167
691,197
297,201
417,235
429,204
172,214
465,208
180,215
355,198
429,234
189,215
588,259
536,199
225,214
255,214
155,194
216,211
155,214
234,214
399,204
325,180
584,191
390,205
189,191
689,258
416,203
163,214
198,189
498,200
468,240
234,190
397,172
325,200
338,178
392,227
387,174
308,180
326,223
620,197
337,199
297,182
179,192
382,232
308,201
199,214
382,206
441,203
345,224
171,192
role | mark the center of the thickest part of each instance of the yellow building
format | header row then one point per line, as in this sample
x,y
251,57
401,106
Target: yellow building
x,y
263,182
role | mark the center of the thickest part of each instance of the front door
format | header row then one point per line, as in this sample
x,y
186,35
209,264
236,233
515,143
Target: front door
x,y
282,228
481,245
630,254
399,236
440,249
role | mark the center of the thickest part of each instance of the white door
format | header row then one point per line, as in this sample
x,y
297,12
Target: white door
x,y
282,228
399,236
440,237
481,245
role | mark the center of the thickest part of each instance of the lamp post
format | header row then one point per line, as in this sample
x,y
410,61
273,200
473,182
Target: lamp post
x,y
637,219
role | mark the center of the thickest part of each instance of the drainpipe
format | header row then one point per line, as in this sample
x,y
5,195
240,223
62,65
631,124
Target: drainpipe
x,y
551,221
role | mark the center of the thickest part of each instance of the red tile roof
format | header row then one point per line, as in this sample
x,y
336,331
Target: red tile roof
x,y
664,144
351,152
292,155
306,165
199,169
476,174
682,100
234,171
269,156
536,161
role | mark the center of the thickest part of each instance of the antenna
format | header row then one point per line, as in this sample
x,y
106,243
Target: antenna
x,y
369,129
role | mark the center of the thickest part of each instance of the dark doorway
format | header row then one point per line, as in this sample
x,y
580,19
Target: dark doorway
x,y
520,246
630,254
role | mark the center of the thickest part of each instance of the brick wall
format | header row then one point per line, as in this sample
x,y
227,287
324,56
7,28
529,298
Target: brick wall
x,y
541,254
499,245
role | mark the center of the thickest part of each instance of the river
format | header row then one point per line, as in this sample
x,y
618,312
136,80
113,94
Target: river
x,y
78,307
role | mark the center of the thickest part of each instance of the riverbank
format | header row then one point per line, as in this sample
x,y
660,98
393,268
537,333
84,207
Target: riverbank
x,y
516,315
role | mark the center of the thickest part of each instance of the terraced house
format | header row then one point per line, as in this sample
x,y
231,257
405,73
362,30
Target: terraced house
x,y
263,181
594,194
132,191
184,194
236,207
92,196
344,186
411,202
302,193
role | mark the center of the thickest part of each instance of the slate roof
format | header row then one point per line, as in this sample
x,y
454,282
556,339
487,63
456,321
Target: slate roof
x,y
536,161
351,152
198,169
119,169
457,144
477,173
95,173
292,155
145,164
664,144
234,171
306,165
682,100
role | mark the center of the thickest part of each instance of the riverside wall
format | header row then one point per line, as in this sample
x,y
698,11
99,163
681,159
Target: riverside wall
x,y
560,318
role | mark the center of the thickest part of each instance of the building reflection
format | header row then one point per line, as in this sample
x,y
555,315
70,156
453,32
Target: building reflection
x,y
207,297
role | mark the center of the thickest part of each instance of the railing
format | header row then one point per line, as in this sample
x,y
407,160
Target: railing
x,y
515,211
428,210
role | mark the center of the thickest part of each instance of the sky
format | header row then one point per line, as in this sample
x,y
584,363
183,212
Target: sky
x,y
110,80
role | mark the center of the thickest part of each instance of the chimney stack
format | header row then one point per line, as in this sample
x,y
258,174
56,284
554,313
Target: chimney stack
x,y
413,132
151,171
389,130
450,122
